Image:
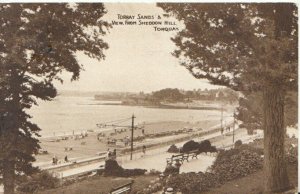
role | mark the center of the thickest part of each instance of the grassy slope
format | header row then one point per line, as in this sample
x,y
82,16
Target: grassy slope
x,y
99,185
252,184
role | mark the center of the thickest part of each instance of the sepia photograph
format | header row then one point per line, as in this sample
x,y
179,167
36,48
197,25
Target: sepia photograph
x,y
149,97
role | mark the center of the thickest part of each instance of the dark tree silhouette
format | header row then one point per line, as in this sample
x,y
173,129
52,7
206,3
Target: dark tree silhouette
x,y
37,43
250,110
168,94
247,47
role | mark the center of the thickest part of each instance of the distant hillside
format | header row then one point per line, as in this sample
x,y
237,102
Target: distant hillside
x,y
75,93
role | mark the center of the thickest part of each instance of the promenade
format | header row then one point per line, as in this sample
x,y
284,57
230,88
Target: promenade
x,y
156,158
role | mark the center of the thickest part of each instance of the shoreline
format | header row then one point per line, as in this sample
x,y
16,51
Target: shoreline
x,y
161,106
156,143
90,146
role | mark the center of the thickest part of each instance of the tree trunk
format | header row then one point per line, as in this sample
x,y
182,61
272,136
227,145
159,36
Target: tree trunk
x,y
275,171
9,177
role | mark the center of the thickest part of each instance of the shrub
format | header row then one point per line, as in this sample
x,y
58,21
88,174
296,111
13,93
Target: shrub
x,y
112,168
191,183
173,149
190,146
204,146
39,181
229,165
212,149
257,150
238,143
236,163
170,170
154,172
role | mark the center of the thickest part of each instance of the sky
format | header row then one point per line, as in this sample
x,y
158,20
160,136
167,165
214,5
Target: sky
x,y
138,59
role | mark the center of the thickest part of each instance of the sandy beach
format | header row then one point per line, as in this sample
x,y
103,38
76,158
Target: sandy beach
x,y
89,146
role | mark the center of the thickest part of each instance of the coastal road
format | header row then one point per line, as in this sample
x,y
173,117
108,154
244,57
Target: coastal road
x,y
156,158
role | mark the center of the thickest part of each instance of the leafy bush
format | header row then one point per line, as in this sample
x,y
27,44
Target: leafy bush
x,y
40,181
190,146
154,187
132,172
236,163
173,149
229,165
204,146
258,150
238,143
112,168
170,170
191,183
212,149
154,172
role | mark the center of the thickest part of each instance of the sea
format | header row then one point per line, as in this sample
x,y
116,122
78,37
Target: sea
x,y
72,114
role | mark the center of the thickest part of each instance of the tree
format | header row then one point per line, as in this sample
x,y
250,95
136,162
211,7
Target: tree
x,y
250,110
168,94
247,47
37,43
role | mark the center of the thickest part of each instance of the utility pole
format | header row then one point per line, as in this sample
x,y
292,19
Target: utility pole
x,y
233,126
222,119
132,129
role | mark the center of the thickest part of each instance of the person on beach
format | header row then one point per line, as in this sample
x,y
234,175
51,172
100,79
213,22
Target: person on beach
x,y
54,160
66,159
144,149
222,130
126,140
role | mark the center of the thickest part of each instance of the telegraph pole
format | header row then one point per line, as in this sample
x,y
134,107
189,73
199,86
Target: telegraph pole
x,y
233,126
222,119
132,129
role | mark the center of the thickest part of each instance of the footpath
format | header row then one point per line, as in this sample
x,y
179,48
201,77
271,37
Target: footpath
x,y
156,158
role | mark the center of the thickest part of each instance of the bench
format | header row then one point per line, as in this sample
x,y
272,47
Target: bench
x,y
126,188
180,157
194,154
184,156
